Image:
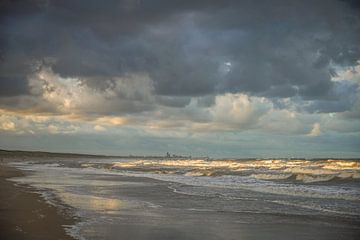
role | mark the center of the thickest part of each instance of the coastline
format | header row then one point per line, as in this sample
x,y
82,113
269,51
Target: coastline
x,y
25,215
139,207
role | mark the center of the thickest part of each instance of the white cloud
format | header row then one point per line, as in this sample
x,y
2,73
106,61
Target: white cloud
x,y
348,73
53,129
131,93
8,126
99,128
315,131
238,110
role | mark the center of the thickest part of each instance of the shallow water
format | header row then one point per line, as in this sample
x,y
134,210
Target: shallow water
x,y
197,199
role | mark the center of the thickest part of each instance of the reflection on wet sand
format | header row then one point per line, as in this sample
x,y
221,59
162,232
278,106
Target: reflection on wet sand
x,y
88,202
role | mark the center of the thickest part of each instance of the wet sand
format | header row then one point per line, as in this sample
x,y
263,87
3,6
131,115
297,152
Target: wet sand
x,y
25,215
177,218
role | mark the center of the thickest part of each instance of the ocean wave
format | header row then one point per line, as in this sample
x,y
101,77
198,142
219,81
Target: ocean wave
x,y
304,171
198,173
293,166
307,178
257,185
260,182
207,173
347,175
253,176
315,207
271,176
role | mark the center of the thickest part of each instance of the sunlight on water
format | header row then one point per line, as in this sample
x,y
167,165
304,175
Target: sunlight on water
x,y
307,171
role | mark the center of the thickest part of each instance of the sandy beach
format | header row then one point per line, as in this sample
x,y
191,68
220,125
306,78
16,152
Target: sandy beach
x,y
25,215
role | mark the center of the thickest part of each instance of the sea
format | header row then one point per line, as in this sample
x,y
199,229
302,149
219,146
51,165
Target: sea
x,y
167,198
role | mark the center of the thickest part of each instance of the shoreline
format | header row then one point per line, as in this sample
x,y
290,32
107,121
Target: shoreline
x,y
155,211
24,214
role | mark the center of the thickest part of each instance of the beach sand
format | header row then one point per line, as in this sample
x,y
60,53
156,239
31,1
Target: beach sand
x,y
25,215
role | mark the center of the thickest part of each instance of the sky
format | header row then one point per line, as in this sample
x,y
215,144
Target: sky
x,y
231,78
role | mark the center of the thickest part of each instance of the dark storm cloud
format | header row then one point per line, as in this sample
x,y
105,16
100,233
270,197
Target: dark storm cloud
x,y
173,101
274,49
342,98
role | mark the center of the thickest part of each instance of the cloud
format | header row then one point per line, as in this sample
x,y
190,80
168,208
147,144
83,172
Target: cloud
x,y
180,68
99,128
238,110
315,131
52,93
183,47
8,125
112,121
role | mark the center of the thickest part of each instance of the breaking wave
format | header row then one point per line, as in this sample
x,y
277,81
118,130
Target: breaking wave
x,y
305,171
309,178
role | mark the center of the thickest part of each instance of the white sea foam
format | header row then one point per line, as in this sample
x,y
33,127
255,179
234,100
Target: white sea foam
x,y
267,176
313,206
202,173
307,178
305,170
248,183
